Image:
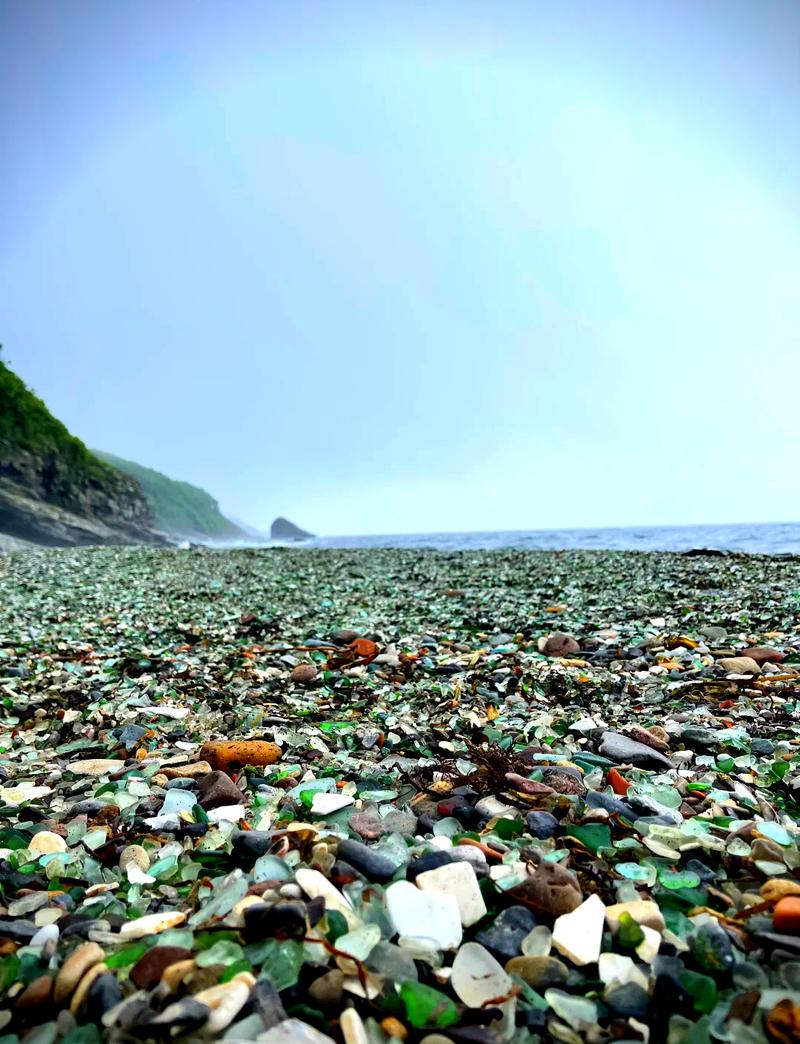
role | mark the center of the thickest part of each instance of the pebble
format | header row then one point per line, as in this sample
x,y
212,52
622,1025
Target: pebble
x,y
459,881
317,886
578,935
44,842
560,644
225,1000
304,674
148,970
95,766
234,754
539,972
74,968
369,861
215,789
477,977
416,914
786,915
504,937
151,924
739,665
550,889
625,750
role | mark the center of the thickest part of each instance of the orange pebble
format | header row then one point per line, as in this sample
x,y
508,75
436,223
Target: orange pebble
x,y
618,782
233,754
786,916
393,1027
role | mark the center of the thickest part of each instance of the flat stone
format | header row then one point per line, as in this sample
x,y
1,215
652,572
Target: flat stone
x,y
505,936
45,842
147,971
368,824
477,977
316,885
764,654
643,911
550,889
625,750
578,935
539,972
151,924
326,804
95,766
225,1000
432,916
739,665
458,880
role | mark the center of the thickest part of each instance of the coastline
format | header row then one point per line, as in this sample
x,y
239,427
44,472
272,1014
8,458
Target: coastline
x,y
545,780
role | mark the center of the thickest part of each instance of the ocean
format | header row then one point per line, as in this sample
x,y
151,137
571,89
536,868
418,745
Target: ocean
x,y
770,538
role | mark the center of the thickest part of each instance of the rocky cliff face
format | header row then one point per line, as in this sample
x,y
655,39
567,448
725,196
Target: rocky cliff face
x,y
53,491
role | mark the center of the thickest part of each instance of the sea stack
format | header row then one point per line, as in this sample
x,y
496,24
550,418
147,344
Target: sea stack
x,y
283,529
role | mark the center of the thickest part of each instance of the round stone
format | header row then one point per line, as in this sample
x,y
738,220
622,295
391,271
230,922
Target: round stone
x,y
46,842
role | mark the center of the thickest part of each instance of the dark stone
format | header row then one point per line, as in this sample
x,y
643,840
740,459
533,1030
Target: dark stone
x,y
345,636
181,1017
504,938
342,873
78,926
628,999
129,736
104,994
624,750
250,844
698,738
90,807
613,805
763,747
429,861
705,873
182,783
667,999
216,789
373,864
541,824
147,971
712,949
286,919
17,930
266,1001
427,821
561,645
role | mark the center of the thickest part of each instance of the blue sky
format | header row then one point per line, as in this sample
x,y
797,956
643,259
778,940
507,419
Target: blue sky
x,y
411,266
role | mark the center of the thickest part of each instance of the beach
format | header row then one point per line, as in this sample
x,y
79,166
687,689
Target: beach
x,y
376,795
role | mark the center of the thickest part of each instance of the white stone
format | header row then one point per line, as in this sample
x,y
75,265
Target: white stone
x,y
431,915
615,969
151,924
643,911
16,795
223,813
352,1026
458,880
315,884
95,766
46,842
226,1000
579,935
477,977
648,948
325,804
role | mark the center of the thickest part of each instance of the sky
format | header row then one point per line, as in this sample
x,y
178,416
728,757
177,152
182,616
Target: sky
x,y
413,267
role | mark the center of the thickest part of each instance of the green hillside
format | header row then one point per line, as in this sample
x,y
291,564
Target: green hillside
x,y
38,454
179,508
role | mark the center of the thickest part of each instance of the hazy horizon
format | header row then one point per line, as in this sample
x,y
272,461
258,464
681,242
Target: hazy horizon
x,y
393,269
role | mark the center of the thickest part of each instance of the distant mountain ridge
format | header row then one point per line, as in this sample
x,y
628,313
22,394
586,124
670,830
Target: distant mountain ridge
x,y
53,491
179,508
